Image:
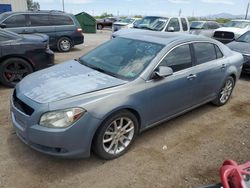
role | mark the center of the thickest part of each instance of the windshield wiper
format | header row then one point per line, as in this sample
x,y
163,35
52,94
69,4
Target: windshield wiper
x,y
97,68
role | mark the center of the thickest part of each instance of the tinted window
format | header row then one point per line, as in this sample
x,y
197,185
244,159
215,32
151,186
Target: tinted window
x,y
39,20
174,22
218,52
213,25
204,52
61,20
178,59
16,21
184,24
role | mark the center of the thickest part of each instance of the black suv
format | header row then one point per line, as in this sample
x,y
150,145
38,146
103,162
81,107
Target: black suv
x,y
63,29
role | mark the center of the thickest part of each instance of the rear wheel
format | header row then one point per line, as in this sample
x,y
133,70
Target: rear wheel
x,y
99,26
115,135
14,70
64,44
225,92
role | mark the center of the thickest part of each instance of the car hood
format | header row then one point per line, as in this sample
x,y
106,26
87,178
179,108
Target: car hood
x,y
237,31
63,81
241,47
37,37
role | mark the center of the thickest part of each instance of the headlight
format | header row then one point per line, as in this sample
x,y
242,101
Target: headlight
x,y
61,118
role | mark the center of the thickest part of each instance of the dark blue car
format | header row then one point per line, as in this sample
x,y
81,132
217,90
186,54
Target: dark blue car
x,y
63,29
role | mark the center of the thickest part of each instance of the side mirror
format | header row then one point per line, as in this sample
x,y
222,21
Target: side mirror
x,y
163,72
170,29
2,25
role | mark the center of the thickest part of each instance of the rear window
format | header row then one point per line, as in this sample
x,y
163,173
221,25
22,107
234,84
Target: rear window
x,y
15,21
39,19
61,20
218,52
204,52
184,24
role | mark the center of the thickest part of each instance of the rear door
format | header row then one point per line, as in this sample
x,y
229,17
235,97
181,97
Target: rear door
x,y
209,68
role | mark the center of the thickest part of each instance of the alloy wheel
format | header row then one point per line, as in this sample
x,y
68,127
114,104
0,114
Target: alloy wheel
x,y
118,135
226,91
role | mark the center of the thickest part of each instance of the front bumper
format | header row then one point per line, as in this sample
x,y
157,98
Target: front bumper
x,y
72,142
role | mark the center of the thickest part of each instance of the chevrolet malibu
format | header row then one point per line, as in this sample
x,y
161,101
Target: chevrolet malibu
x,y
104,99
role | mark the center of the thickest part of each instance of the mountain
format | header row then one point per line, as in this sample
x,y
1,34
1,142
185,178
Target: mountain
x,y
226,15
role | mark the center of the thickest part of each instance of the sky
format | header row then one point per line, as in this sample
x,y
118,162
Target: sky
x,y
148,7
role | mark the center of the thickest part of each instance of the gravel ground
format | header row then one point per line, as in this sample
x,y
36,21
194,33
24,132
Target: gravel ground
x,y
184,152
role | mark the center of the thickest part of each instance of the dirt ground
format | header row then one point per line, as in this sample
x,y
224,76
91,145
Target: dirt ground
x,y
184,152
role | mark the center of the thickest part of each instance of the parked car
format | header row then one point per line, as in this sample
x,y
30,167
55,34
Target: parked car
x,y
105,22
129,84
242,45
124,23
232,30
164,24
63,29
205,28
20,55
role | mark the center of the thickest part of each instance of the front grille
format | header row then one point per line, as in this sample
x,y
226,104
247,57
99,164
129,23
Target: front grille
x,y
20,105
224,35
246,58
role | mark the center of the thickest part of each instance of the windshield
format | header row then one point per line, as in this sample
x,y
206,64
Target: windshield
x,y
158,24
147,21
238,24
196,25
122,58
244,38
127,20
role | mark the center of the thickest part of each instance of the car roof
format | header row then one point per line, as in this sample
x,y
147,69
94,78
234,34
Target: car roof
x,y
164,38
36,12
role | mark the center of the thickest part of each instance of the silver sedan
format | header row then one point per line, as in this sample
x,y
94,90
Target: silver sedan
x,y
104,99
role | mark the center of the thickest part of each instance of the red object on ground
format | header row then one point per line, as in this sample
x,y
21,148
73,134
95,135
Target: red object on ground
x,y
234,175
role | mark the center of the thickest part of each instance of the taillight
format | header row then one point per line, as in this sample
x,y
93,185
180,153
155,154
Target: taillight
x,y
79,29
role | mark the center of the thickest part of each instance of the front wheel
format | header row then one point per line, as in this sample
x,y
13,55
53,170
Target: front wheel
x,y
14,70
115,135
225,93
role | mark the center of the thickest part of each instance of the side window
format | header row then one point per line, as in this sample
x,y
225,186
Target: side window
x,y
39,20
178,59
204,52
184,24
174,22
16,21
218,52
61,20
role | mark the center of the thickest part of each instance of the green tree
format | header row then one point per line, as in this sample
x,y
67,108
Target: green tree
x,y
32,5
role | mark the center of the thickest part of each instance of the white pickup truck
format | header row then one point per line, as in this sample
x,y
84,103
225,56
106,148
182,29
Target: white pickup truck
x,y
231,30
160,24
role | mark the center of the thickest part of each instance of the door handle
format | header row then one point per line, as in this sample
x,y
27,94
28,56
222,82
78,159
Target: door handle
x,y
192,76
223,66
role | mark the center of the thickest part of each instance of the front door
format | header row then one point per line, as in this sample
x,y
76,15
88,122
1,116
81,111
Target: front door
x,y
173,94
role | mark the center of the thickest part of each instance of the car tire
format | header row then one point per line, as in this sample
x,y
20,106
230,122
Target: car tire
x,y
13,70
99,26
115,135
64,44
225,92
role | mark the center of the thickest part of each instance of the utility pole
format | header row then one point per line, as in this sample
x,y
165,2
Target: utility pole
x,y
247,11
63,4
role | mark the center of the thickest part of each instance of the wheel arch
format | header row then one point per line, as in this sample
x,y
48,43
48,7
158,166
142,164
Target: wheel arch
x,y
117,110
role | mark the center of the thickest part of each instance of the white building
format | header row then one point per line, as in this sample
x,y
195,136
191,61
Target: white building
x,y
13,5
